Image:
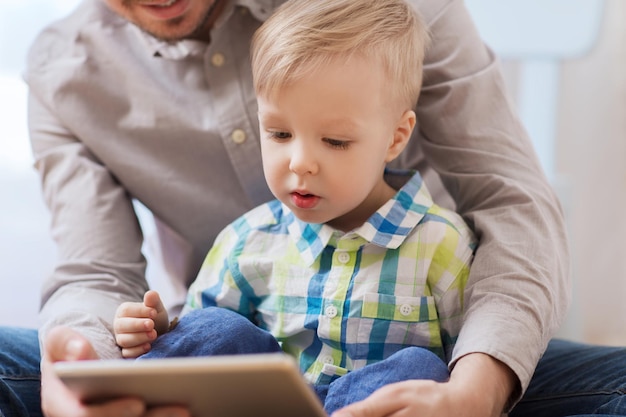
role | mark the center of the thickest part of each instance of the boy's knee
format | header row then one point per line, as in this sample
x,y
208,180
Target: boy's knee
x,y
421,362
214,331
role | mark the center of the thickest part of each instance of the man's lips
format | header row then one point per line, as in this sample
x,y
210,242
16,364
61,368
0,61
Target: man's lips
x,y
157,3
303,200
164,10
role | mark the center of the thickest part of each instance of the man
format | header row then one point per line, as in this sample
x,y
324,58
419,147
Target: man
x,y
153,100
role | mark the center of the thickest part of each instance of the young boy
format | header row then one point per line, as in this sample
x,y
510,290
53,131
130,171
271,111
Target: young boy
x,y
353,269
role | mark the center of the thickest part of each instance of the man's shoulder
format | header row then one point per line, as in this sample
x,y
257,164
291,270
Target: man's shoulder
x,y
430,10
69,36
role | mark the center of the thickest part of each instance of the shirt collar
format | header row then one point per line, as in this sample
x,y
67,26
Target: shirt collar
x,y
171,50
387,228
260,9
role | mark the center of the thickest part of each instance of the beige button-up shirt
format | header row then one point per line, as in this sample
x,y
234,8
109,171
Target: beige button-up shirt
x,y
116,115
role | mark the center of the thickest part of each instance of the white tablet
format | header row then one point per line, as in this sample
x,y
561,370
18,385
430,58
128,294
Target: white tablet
x,y
219,386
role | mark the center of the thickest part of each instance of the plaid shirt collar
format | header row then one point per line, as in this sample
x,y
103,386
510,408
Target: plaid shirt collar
x,y
387,228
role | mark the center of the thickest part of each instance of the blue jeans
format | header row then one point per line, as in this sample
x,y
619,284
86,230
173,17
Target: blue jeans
x,y
408,363
576,379
217,331
572,379
19,373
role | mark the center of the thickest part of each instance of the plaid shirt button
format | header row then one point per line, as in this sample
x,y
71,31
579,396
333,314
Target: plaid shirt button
x,y
327,360
343,257
405,309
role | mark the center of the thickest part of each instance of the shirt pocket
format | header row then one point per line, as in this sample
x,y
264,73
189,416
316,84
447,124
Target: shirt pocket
x,y
389,323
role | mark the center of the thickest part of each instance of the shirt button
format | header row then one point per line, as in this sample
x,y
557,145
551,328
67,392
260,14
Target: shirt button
x,y
218,59
327,359
406,309
238,136
343,257
331,312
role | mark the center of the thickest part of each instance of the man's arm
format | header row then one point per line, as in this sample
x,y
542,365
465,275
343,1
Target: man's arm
x,y
99,256
464,395
518,289
95,229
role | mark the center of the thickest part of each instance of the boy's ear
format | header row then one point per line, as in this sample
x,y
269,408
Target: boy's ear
x,y
401,135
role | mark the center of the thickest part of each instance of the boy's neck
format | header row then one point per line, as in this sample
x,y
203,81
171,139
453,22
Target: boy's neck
x,y
357,217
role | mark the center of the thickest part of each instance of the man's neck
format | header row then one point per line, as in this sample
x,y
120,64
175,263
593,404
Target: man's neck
x,y
204,31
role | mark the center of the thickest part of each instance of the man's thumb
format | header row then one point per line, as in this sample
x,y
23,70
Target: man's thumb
x,y
65,344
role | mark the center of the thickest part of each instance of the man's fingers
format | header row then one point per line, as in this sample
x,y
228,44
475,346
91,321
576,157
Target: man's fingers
x,y
65,344
381,403
367,408
168,412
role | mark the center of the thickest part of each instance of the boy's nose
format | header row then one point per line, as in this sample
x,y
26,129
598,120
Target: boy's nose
x,y
303,161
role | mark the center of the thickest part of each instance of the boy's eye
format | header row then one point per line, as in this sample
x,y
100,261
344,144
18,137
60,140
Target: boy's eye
x,y
280,135
338,144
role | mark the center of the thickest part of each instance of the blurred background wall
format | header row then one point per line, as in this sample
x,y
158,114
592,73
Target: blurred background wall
x,y
565,64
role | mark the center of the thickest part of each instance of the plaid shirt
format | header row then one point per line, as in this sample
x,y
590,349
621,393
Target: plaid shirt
x,y
339,301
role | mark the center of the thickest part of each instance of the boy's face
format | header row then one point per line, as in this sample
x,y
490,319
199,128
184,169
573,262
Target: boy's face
x,y
170,19
325,140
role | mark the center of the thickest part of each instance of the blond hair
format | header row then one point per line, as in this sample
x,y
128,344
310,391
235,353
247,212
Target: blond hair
x,y
304,35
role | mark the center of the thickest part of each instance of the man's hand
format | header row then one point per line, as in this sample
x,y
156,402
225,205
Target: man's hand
x,y
64,344
479,386
138,324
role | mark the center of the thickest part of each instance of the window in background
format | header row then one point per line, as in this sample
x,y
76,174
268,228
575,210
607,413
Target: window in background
x,y
539,35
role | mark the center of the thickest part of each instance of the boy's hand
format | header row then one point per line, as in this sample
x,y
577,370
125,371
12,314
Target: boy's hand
x,y
138,324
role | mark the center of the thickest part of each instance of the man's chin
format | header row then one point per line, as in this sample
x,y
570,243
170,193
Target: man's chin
x,y
171,31
175,30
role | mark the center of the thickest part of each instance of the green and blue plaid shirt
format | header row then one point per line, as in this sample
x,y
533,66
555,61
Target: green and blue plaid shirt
x,y
339,301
